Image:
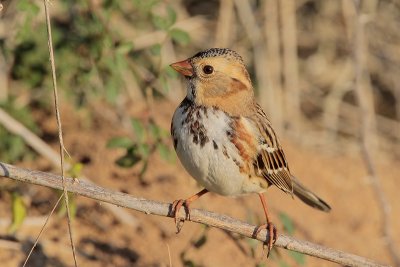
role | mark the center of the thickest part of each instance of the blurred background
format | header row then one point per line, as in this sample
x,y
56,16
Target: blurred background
x,y
326,73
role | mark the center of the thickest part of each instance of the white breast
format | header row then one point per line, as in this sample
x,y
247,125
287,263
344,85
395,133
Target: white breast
x,y
204,148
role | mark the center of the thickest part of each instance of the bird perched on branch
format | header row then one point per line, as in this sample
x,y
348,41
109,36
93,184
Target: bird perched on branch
x,y
224,139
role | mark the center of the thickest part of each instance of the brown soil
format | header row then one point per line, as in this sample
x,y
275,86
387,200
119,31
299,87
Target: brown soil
x,y
354,225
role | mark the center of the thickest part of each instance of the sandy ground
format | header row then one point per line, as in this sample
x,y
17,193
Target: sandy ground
x,y
354,225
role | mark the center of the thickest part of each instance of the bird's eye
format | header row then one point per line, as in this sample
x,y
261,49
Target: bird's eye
x,y
208,69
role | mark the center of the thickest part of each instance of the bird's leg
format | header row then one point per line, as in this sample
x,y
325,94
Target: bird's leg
x,y
268,226
177,205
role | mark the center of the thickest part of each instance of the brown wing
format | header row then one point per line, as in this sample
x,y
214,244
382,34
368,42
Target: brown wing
x,y
270,161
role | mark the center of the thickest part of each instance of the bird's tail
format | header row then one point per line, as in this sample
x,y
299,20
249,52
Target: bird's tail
x,y
309,197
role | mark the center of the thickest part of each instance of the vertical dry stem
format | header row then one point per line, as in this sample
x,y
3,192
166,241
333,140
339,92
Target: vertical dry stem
x,y
60,136
271,98
253,31
223,34
290,62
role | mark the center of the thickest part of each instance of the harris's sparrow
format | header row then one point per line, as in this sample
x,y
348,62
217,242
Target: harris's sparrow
x,y
224,139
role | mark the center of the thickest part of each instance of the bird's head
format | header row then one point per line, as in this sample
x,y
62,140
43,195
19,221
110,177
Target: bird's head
x,y
217,77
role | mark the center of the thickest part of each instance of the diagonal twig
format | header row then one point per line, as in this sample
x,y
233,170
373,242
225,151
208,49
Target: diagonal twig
x,y
224,222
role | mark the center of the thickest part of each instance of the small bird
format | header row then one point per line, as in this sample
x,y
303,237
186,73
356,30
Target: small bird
x,y
224,139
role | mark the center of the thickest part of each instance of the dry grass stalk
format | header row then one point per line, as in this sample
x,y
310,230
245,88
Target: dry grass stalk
x,y
223,33
271,98
256,37
60,138
333,101
290,63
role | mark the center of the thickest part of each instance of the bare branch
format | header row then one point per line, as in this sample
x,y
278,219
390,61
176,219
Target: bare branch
x,y
224,222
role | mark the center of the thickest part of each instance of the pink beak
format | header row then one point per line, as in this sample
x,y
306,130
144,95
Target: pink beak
x,y
183,67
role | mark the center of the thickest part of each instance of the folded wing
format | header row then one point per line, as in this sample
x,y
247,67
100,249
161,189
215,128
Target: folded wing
x,y
270,161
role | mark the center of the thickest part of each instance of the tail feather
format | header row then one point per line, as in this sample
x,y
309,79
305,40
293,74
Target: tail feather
x,y
308,197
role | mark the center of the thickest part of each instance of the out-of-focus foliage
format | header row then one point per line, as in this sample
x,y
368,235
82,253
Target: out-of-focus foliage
x,y
196,243
18,212
290,228
62,209
12,147
92,56
275,254
95,61
148,139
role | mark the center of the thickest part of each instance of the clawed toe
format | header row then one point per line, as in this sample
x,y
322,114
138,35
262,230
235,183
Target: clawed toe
x,y
179,221
272,235
177,205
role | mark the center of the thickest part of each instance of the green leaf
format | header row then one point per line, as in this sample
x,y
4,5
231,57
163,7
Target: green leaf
x,y
28,6
76,170
155,49
164,82
201,241
159,22
145,6
287,223
143,170
144,150
128,160
18,212
121,64
299,258
16,147
154,130
171,72
186,262
171,15
124,48
164,152
139,130
180,36
112,88
164,133
119,142
162,23
283,264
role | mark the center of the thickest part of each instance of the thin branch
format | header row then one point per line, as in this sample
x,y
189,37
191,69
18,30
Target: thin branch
x,y
60,132
224,222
